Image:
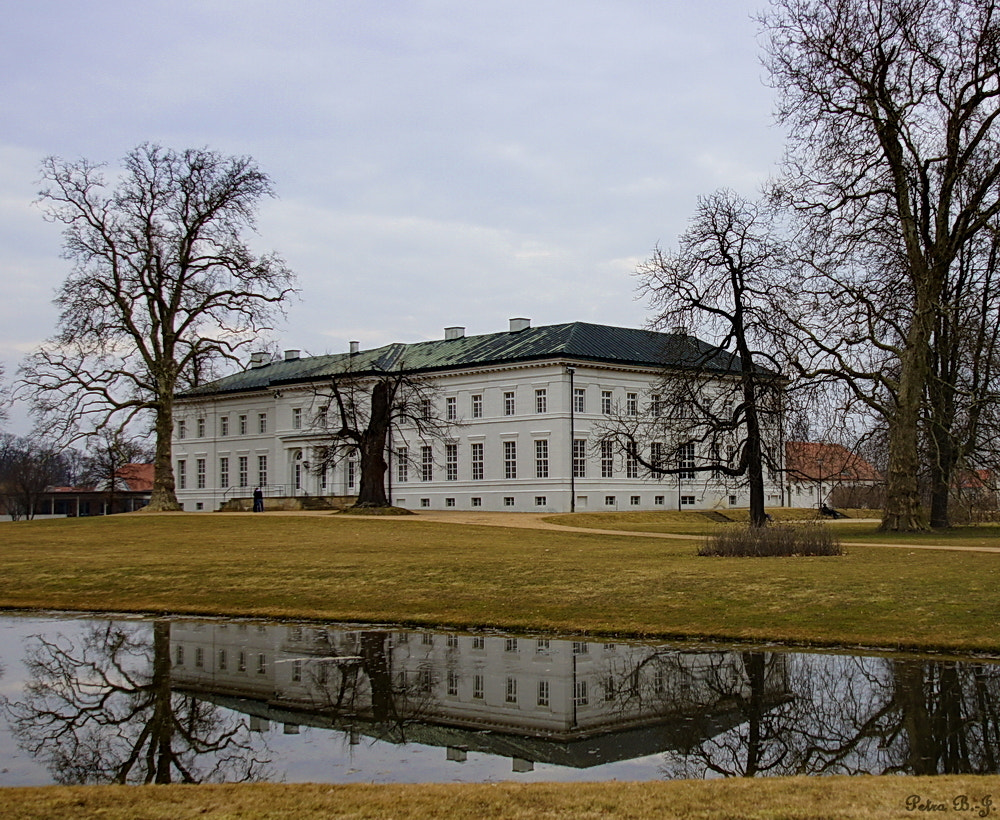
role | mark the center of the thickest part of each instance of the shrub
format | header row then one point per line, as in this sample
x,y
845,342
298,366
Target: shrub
x,y
782,539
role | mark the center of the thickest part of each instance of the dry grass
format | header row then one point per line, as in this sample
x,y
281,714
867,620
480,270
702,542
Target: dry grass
x,y
423,573
819,798
779,540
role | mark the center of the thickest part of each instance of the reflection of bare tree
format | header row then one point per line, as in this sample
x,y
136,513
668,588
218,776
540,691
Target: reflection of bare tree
x,y
840,715
356,680
103,711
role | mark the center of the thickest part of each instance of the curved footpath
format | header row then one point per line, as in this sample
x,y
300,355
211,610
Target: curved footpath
x,y
535,521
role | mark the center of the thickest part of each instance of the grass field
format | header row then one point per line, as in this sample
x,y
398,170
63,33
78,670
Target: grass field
x,y
817,798
420,572
423,573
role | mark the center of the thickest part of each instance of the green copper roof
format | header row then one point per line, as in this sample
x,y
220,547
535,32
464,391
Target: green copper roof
x,y
577,341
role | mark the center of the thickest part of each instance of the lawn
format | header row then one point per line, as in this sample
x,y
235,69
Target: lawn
x,y
420,572
817,798
424,573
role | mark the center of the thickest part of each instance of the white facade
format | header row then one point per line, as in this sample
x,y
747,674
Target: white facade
x,y
526,437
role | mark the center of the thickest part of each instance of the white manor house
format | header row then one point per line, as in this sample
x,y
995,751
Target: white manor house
x,y
526,406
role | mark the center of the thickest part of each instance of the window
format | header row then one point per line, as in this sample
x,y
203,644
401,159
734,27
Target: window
x,y
541,458
244,470
581,648
452,683
199,657
451,462
477,461
451,408
200,428
261,664
656,405
606,402
508,403
224,426
579,400
182,475
510,459
541,401
352,471
321,415
508,501
297,670
449,502
296,418
609,688
224,472
426,463
262,423
732,501
609,501
540,501
425,502
607,459
262,470
658,500
402,464
542,645
478,642
179,658
687,500
477,406
427,638
685,460
580,693
242,662
181,429
477,502
634,500
511,696
477,687
425,408
631,466
656,458
243,425
579,458
453,641
543,693
510,645
199,472
632,404
222,659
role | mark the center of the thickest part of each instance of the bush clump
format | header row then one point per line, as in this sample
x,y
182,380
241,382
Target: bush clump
x,y
781,539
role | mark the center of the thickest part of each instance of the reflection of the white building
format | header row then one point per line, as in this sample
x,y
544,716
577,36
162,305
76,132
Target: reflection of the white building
x,y
575,703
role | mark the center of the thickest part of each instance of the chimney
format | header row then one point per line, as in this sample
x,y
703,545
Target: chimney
x,y
292,355
517,325
454,332
260,358
355,347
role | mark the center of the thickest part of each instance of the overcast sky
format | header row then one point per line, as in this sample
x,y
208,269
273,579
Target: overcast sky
x,y
436,163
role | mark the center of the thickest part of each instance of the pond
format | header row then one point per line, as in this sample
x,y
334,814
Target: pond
x,y
118,699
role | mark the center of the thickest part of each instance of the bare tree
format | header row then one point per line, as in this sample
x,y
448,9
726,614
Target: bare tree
x,y
364,408
27,469
163,286
111,459
892,107
721,408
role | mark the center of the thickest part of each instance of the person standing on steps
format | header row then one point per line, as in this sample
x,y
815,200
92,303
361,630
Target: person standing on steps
x,y
258,500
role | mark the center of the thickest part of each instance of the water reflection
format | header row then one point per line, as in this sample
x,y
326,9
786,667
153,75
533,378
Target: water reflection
x,y
104,709
209,700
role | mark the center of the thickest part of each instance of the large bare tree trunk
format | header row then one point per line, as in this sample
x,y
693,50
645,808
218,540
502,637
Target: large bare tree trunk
x,y
164,497
371,492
